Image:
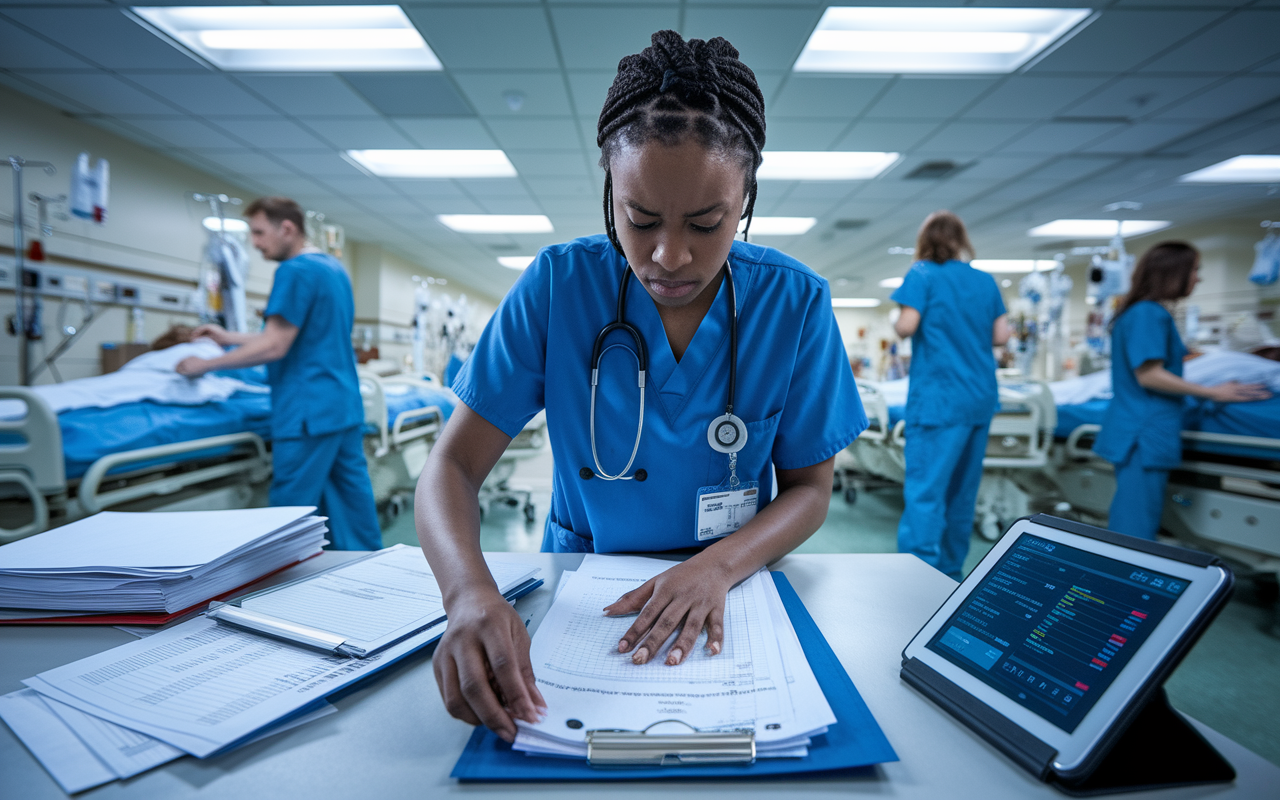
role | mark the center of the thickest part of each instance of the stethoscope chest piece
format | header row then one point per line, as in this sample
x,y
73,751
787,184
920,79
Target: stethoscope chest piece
x,y
727,434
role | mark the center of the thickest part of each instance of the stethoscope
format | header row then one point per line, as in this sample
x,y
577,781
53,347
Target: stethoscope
x,y
725,434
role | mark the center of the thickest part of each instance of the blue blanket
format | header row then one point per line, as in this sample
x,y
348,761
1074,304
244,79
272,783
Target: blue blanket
x,y
1261,418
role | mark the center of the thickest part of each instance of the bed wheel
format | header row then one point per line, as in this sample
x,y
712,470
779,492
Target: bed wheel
x,y
851,495
530,513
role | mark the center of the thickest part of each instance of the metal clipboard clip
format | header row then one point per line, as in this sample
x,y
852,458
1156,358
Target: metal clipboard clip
x,y
616,748
283,629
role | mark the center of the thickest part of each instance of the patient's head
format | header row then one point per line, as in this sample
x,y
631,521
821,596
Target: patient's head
x,y
177,334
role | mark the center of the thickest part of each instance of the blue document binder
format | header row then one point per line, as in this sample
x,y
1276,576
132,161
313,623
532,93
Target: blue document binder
x,y
851,746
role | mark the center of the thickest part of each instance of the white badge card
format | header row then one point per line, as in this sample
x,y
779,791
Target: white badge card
x,y
722,510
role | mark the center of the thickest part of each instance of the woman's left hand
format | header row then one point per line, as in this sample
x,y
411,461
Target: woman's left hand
x,y
689,596
192,366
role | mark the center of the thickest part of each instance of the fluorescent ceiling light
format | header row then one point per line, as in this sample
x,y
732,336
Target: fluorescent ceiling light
x,y
890,283
497,223
823,166
515,262
296,38
854,302
1241,169
435,163
933,40
1098,228
218,224
779,226
1000,265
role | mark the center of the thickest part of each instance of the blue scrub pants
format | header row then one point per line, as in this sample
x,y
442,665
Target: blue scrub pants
x,y
944,468
1139,498
330,472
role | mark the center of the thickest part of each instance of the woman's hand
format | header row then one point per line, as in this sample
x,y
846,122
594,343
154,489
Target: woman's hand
x,y
482,665
192,366
211,331
1235,392
689,596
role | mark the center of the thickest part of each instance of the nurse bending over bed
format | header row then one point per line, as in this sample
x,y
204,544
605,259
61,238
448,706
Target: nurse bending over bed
x,y
677,368
1142,430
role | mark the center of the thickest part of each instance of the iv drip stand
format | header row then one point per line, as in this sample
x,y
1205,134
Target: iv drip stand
x,y
24,344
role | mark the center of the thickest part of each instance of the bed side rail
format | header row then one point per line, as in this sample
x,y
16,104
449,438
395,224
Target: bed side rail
x,y
35,462
93,500
375,409
400,436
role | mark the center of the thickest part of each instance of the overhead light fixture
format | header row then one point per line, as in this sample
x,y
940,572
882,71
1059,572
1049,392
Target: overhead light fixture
x,y
1241,169
497,223
823,165
933,40
516,262
854,302
230,225
902,251
296,38
1005,265
779,226
890,283
1098,228
434,163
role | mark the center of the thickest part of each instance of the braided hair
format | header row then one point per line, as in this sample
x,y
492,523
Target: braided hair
x,y
675,89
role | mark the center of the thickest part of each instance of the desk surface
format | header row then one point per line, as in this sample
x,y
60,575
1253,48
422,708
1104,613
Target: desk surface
x,y
394,739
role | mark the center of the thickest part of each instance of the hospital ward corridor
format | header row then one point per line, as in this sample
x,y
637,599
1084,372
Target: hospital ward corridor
x,y
723,398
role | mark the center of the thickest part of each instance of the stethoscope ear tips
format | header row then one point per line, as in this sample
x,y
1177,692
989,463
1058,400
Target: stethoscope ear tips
x,y
727,434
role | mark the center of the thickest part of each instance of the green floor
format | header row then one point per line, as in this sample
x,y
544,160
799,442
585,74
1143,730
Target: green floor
x,y
1230,681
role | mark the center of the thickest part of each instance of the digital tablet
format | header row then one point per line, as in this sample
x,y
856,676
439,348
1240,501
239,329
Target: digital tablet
x,y
1066,634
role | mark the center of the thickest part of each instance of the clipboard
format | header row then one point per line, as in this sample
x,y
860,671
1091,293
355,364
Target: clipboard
x,y
850,747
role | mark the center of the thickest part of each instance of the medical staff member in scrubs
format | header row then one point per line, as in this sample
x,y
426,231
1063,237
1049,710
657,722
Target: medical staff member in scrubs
x,y
636,469
954,316
317,447
1142,429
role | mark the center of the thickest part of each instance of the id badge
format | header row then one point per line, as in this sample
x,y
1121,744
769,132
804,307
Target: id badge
x,y
722,510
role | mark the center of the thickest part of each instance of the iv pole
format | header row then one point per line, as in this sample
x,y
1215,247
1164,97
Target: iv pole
x,y
24,345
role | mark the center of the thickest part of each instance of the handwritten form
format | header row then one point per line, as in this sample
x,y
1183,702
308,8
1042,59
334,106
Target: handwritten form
x,y
761,680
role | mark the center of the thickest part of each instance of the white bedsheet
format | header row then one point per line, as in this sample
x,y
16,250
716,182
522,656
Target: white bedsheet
x,y
150,376
1211,369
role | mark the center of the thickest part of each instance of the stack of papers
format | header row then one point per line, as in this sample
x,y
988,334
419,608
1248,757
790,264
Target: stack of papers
x,y
158,562
761,681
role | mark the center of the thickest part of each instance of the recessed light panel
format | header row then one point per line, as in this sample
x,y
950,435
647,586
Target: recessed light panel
x,y
1005,265
516,262
779,226
890,283
933,40
1241,169
497,223
1098,228
434,163
297,38
854,302
823,165
230,225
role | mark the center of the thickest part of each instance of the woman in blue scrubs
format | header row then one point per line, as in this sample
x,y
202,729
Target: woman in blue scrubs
x,y
680,135
1142,430
954,316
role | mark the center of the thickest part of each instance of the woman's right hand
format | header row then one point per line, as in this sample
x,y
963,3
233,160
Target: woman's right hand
x,y
211,331
482,665
1235,392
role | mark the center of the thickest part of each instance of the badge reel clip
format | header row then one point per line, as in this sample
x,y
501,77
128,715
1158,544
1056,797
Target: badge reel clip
x,y
725,508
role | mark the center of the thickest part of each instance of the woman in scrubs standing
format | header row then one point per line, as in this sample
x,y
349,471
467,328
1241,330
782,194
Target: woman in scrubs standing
x,y
954,316
1142,430
680,135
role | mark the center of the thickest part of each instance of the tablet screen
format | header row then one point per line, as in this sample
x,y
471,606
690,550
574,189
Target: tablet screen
x,y
1052,626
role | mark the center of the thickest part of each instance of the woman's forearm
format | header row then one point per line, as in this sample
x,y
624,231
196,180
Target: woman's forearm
x,y
1159,379
447,516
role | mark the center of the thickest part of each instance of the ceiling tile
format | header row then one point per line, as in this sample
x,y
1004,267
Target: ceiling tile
x,y
447,133
598,37
22,50
104,36
551,165
504,204
589,89
128,131
892,137
993,169
1032,96
766,38
493,187
928,98
203,93
35,90
101,92
1226,100
254,164
310,95
1137,96
410,94
517,133
320,165
185,133
1234,44
562,187
544,93
826,96
1122,39
971,138
830,192
271,134
796,134
1144,137
359,134
487,37
1052,138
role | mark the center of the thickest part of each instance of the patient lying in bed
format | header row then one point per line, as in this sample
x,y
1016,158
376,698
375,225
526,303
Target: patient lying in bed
x,y
1210,369
150,376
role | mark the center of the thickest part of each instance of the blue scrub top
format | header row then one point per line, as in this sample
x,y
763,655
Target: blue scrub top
x,y
953,371
1139,417
795,389
314,389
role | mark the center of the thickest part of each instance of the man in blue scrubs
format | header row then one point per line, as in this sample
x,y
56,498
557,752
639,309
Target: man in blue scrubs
x,y
316,411
954,315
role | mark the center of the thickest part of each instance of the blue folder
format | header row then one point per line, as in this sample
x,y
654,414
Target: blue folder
x,y
849,747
